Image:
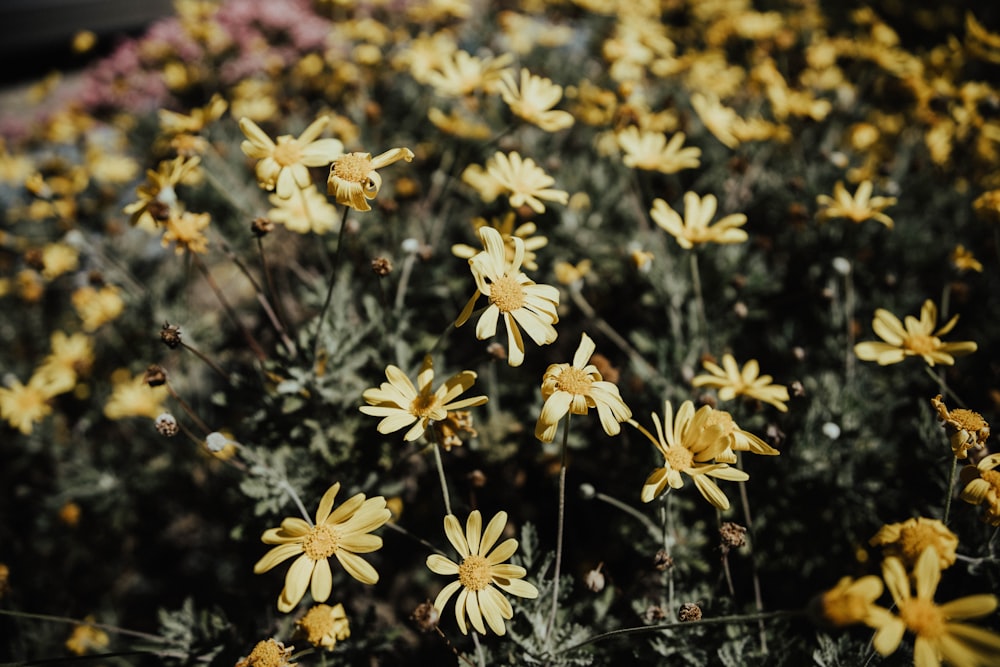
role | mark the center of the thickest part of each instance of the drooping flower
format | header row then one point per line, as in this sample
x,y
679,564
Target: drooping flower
x,y
649,150
694,229
731,382
524,181
284,166
688,444
354,177
268,653
534,100
400,404
574,389
343,532
966,429
858,208
852,601
511,294
482,568
324,626
918,337
908,540
938,637
981,486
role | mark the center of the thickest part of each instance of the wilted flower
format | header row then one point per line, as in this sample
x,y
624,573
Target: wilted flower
x,y
966,429
343,533
482,567
354,178
400,404
574,389
918,337
268,653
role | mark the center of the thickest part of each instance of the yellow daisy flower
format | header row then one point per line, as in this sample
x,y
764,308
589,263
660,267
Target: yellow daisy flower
x,y
852,601
574,389
482,567
460,74
309,212
343,533
24,405
963,260
400,404
651,151
159,190
731,382
534,100
70,356
131,396
738,439
918,337
694,228
284,166
354,177
323,626
938,637
505,225
688,443
862,206
186,232
97,306
524,182
981,486
966,429
512,294
907,541
57,259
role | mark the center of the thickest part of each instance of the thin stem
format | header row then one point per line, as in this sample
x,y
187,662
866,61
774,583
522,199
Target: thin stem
x,y
251,341
440,469
699,301
849,356
758,597
479,650
333,281
211,364
721,620
559,530
272,292
943,386
110,628
403,531
728,574
666,520
628,509
404,282
951,489
287,488
187,408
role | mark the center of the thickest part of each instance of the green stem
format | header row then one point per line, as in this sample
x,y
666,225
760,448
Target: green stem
x,y
699,301
758,597
655,532
251,341
333,281
75,621
559,531
441,476
951,490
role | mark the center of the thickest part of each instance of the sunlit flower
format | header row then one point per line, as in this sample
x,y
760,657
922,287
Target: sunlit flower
x,y
482,567
981,486
731,382
451,430
343,533
852,601
24,405
694,228
534,100
324,626
97,306
650,150
523,181
185,231
400,404
907,541
354,178
85,638
858,208
937,636
159,190
268,653
966,429
131,396
505,225
963,260
918,337
574,389
512,294
309,212
738,439
284,166
688,444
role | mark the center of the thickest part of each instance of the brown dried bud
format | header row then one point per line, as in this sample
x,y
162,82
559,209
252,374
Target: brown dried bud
x,y
798,390
382,266
733,536
261,227
477,478
33,258
595,579
170,335
662,560
166,425
159,211
654,614
497,351
604,367
688,612
425,616
155,376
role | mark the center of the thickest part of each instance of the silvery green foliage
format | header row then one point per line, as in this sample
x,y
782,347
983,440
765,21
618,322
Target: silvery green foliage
x,y
842,651
191,636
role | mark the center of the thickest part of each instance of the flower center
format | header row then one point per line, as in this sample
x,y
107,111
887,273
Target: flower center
x,y
575,381
353,167
287,152
321,542
423,405
923,617
679,458
474,573
507,294
913,541
267,654
967,420
921,344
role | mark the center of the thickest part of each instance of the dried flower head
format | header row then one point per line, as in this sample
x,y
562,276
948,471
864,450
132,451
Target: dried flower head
x,y
166,425
381,266
732,536
155,375
966,429
323,625
354,177
268,653
426,616
170,334
689,612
